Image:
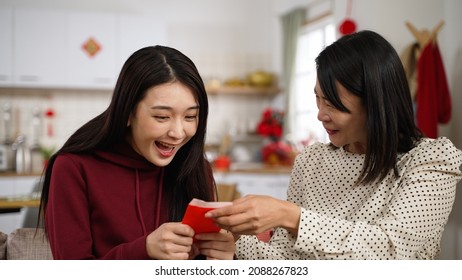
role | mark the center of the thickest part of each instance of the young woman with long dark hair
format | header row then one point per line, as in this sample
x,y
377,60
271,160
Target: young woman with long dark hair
x,y
119,186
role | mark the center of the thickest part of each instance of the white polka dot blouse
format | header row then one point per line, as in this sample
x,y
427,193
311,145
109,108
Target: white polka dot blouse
x,y
397,218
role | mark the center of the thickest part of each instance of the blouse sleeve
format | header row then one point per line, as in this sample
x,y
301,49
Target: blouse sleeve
x,y
415,214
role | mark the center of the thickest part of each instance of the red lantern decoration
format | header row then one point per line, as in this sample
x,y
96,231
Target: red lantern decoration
x,y
348,26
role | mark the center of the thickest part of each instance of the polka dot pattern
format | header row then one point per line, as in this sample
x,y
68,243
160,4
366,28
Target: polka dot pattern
x,y
396,218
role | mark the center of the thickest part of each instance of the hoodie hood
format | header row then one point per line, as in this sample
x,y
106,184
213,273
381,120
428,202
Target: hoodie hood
x,y
124,155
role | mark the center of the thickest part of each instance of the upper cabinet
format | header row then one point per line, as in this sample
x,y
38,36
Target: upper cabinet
x,y
92,50
44,48
6,47
40,40
135,32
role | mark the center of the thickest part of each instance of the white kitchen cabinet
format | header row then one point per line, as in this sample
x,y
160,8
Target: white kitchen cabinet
x,y
46,48
40,39
15,186
135,32
6,47
88,69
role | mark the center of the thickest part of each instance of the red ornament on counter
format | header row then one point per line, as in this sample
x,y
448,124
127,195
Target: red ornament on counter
x,y
222,162
274,151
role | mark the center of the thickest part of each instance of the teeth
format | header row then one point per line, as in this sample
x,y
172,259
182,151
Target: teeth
x,y
166,145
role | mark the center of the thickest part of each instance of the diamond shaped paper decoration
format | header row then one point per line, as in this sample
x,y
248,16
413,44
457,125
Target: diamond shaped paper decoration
x,y
91,47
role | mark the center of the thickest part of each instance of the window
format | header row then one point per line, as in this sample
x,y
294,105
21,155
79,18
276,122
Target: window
x,y
313,38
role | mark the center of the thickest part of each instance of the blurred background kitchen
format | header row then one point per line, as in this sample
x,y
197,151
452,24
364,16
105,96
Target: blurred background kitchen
x,y
59,61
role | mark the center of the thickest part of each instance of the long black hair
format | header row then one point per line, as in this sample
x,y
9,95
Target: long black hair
x,y
368,66
189,175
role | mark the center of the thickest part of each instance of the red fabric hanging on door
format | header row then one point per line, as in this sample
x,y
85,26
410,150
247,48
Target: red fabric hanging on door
x,y
433,100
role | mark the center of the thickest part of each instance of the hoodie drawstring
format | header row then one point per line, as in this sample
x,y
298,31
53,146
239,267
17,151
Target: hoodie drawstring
x,y
137,198
159,200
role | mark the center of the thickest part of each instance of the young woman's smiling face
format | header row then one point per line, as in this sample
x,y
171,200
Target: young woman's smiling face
x,y
163,121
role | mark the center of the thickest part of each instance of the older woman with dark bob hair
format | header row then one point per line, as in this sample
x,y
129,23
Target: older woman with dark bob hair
x,y
378,190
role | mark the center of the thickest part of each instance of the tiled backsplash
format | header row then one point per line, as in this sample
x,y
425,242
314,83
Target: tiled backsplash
x,y
71,110
227,113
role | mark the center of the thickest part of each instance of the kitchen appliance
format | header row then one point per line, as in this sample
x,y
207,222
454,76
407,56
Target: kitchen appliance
x,y
6,157
35,148
6,139
22,155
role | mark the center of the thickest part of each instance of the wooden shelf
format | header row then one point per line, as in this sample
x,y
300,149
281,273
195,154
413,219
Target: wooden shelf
x,y
243,90
14,174
10,203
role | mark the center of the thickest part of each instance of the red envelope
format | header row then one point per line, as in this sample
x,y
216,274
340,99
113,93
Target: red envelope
x,y
194,216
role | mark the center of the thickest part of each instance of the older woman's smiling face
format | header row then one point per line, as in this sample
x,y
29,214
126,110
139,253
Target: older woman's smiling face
x,y
164,120
344,129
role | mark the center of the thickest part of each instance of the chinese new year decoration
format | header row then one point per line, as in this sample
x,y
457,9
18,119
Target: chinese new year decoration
x,y
91,47
274,151
348,25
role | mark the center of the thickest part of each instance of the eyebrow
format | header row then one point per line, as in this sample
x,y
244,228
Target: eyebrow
x,y
161,107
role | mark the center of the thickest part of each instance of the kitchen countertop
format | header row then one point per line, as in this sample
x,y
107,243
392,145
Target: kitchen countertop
x,y
244,167
256,168
14,174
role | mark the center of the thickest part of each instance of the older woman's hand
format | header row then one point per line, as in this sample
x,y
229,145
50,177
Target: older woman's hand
x,y
254,214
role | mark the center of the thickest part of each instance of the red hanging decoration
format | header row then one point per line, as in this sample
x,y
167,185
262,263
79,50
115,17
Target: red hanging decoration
x,y
348,25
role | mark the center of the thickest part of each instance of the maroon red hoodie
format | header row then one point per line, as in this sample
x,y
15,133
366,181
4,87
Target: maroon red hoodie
x,y
103,205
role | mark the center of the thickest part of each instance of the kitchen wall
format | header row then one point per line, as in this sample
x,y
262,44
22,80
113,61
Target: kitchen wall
x,y
232,37
218,35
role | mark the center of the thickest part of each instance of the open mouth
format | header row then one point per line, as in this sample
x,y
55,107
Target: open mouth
x,y
330,131
165,149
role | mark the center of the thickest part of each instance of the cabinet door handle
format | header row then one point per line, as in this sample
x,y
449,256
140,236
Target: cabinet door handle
x,y
102,80
28,78
4,78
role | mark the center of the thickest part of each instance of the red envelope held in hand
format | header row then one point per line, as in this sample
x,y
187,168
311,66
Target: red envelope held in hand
x,y
194,216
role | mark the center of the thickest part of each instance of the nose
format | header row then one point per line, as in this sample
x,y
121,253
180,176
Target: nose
x,y
323,115
176,130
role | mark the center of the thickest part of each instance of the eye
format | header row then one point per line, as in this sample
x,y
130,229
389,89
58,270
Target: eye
x,y
161,118
191,118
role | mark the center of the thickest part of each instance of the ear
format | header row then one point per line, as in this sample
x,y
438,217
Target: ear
x,y
129,120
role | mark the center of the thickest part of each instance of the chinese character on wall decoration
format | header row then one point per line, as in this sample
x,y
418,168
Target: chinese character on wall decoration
x,y
91,47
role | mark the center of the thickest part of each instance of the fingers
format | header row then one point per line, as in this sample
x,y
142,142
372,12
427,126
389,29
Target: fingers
x,y
171,241
216,245
219,212
250,215
237,207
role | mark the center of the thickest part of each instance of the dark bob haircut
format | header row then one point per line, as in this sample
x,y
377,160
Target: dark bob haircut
x,y
368,66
